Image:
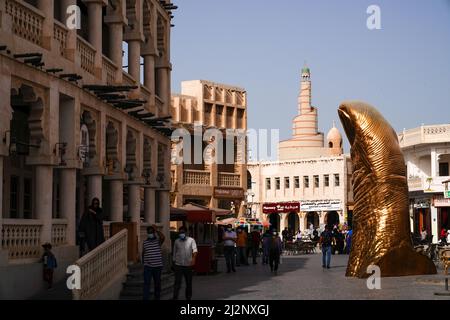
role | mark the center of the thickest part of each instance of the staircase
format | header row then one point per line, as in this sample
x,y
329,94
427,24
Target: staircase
x,y
134,286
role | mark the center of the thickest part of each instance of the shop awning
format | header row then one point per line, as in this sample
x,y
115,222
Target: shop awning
x,y
198,213
177,214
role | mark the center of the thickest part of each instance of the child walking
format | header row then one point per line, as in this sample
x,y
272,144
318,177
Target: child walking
x,y
49,263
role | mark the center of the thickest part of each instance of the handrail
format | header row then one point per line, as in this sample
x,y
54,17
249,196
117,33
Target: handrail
x,y
102,265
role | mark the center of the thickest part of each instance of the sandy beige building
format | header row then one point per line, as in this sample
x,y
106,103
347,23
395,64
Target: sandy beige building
x,y
210,111
75,125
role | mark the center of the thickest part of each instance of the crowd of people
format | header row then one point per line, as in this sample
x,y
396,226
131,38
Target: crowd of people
x,y
341,237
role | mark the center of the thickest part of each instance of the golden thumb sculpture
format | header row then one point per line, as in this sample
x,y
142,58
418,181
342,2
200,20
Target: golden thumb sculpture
x,y
381,227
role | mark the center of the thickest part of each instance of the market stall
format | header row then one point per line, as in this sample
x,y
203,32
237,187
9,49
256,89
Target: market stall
x,y
200,221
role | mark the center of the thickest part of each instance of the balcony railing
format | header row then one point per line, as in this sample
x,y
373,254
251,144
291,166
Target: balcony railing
x,y
415,184
86,53
424,134
60,33
102,265
128,80
59,232
159,103
21,238
427,184
106,229
27,21
196,177
109,69
229,179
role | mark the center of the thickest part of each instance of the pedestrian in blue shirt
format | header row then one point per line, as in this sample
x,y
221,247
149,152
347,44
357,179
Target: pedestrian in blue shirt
x,y
49,263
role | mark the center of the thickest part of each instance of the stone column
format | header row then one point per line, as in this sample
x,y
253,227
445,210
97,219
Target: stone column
x,y
164,214
149,205
116,22
134,202
95,15
149,72
43,203
46,6
116,200
134,59
164,87
94,188
434,225
68,182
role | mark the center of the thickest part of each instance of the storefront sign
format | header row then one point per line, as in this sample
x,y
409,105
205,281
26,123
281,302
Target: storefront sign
x,y
229,193
281,207
421,203
440,201
321,205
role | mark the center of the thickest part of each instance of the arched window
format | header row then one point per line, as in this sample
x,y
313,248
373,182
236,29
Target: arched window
x,y
330,144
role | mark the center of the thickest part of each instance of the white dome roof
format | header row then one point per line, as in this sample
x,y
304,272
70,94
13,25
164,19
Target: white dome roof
x,y
334,135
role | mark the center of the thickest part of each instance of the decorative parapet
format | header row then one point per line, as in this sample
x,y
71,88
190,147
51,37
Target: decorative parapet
x,y
86,53
27,21
229,179
197,177
102,265
59,232
21,238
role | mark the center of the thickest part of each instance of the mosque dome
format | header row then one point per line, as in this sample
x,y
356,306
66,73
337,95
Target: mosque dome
x,y
334,138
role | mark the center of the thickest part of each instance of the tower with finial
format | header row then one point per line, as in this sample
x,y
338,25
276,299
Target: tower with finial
x,y
307,140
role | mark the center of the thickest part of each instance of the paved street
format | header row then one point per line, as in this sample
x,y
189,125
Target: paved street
x,y
302,277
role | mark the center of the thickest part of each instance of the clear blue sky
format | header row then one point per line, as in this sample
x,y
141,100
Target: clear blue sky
x,y
403,69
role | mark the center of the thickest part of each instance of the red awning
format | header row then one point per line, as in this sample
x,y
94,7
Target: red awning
x,y
198,213
177,214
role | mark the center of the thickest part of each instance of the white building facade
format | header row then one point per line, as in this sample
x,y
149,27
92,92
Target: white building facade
x,y
427,155
310,184
297,193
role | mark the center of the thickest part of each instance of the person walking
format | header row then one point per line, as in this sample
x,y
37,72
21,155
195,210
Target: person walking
x,y
266,246
184,257
348,241
285,235
255,241
229,243
241,245
423,236
49,264
152,261
326,239
91,226
298,236
443,236
275,250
